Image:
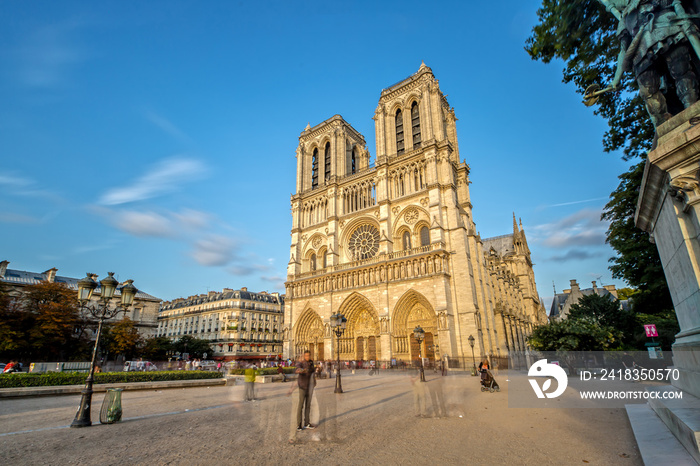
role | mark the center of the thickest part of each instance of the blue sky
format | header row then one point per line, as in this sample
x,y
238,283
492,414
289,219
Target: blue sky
x,y
133,135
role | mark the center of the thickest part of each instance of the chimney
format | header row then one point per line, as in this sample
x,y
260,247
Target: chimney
x,y
244,289
574,286
3,268
227,290
51,275
595,287
211,294
612,290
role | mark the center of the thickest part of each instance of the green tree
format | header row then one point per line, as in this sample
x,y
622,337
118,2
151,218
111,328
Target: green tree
x,y
157,348
583,35
606,311
15,324
575,334
194,346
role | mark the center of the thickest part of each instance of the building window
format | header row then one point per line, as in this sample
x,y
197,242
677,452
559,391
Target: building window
x,y
353,162
327,161
424,236
313,262
398,123
325,259
406,240
415,125
314,169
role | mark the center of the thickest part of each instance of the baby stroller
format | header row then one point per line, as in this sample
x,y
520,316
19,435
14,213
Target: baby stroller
x,y
488,382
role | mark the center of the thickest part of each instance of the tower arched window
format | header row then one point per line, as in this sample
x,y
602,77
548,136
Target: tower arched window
x,y
415,125
353,161
312,262
398,123
314,169
406,240
424,236
327,161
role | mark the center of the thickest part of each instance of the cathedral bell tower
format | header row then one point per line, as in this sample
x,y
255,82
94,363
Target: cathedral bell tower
x,y
327,153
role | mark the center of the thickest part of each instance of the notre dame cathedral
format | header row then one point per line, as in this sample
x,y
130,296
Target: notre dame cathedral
x,y
394,245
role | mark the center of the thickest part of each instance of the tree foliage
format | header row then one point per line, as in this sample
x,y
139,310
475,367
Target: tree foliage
x,y
123,338
575,334
583,35
58,328
157,348
194,346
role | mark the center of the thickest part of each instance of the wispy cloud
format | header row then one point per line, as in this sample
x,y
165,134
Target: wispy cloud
x,y
583,228
167,126
575,255
16,184
167,176
144,224
574,202
45,56
10,217
214,251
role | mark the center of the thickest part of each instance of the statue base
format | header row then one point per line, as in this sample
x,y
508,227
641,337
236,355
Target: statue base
x,y
669,209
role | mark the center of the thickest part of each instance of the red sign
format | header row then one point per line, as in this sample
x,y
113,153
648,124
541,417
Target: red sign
x,y
650,330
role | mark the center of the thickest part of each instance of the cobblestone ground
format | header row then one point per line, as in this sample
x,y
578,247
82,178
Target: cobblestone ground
x,y
384,419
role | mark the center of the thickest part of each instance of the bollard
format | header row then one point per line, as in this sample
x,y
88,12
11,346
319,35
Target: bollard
x,y
111,411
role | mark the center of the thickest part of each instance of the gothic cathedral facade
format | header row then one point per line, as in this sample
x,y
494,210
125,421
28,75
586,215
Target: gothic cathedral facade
x,y
393,245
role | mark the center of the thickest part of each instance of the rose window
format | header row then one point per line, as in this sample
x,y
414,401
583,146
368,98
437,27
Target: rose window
x,y
364,242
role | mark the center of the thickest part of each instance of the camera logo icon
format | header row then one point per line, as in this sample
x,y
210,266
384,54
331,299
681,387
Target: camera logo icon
x,y
542,369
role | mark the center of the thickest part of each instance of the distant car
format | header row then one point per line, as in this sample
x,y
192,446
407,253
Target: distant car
x,y
143,366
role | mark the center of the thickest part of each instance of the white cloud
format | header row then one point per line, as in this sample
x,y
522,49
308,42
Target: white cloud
x,y
47,54
144,224
193,219
583,228
214,251
167,126
167,176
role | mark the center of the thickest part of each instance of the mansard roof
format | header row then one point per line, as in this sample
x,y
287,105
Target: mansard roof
x,y
24,278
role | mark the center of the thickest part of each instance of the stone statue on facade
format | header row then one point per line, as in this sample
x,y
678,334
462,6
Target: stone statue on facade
x,y
660,42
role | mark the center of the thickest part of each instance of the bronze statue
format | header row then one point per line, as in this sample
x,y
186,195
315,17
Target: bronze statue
x,y
656,38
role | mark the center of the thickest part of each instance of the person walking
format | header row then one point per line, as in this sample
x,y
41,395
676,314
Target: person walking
x,y
305,381
250,382
280,370
483,368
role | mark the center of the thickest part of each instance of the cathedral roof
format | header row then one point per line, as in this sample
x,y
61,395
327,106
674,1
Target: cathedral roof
x,y
503,244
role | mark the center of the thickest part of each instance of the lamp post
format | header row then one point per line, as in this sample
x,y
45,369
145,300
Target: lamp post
x,y
338,323
101,311
419,333
471,343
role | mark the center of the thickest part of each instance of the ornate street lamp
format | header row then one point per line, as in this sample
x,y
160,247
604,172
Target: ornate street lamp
x,y
419,333
471,343
338,323
101,311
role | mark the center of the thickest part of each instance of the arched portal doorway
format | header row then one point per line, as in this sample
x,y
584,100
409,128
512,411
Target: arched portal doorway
x,y
361,338
413,310
309,335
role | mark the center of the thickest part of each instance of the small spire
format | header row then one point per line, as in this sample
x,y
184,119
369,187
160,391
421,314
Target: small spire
x,y
308,127
515,225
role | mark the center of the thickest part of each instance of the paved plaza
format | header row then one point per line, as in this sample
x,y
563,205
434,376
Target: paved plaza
x,y
375,421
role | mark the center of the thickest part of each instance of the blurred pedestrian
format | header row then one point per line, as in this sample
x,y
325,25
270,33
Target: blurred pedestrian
x,y
250,373
306,382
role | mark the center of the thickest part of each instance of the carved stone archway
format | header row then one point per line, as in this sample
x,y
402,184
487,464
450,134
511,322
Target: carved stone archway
x,y
361,338
412,310
308,335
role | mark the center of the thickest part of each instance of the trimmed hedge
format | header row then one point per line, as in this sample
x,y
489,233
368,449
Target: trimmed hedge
x,y
78,378
264,371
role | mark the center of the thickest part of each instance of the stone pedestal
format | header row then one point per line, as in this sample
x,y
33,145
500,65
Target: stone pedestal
x,y
668,208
